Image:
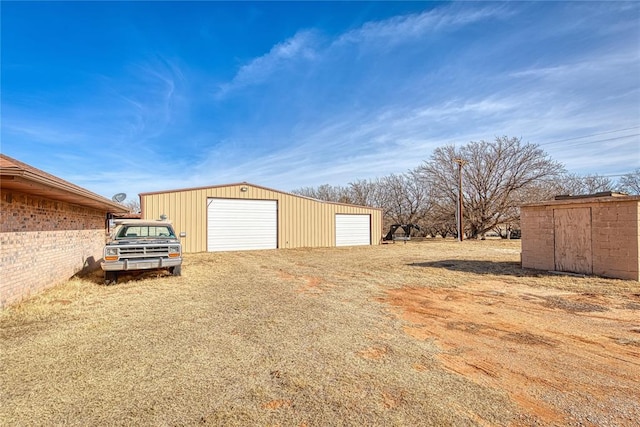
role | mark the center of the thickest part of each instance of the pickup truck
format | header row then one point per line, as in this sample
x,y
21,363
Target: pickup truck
x,y
141,245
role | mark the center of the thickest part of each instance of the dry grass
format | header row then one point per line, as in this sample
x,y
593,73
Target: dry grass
x,y
286,337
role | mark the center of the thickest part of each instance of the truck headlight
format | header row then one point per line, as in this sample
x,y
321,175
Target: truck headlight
x,y
111,254
174,251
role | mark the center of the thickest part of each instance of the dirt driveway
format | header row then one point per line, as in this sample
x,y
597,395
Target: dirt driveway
x,y
428,333
554,352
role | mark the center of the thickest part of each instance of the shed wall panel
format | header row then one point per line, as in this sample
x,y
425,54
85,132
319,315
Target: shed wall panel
x,y
537,238
572,236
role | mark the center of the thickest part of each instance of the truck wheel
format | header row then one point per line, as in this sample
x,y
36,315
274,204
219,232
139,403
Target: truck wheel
x,y
176,271
110,277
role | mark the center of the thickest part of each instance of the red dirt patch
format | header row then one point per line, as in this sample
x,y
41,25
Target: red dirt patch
x,y
277,404
312,284
373,353
391,399
561,356
285,275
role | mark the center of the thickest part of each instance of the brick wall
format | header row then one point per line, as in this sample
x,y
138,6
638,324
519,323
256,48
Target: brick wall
x,y
615,231
615,237
44,242
537,238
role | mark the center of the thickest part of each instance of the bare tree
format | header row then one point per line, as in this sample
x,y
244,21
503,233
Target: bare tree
x,y
132,204
325,192
406,199
365,193
543,189
586,184
630,183
440,221
403,198
441,175
495,179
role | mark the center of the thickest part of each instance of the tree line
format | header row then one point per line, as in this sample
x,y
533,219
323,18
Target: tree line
x,y
497,177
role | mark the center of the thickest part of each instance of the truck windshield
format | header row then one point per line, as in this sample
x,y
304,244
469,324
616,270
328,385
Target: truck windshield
x,y
143,231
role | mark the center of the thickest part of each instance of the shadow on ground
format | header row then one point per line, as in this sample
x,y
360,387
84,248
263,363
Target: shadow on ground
x,y
97,276
507,268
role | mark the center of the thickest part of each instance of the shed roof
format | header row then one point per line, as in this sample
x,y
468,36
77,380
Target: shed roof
x,y
605,197
19,176
252,185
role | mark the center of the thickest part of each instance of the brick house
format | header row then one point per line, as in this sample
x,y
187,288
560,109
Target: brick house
x,y
50,229
597,234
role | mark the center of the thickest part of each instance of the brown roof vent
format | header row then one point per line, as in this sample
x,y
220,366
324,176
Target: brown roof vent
x,y
590,196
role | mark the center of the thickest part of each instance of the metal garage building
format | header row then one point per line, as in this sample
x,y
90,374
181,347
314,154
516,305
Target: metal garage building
x,y
245,217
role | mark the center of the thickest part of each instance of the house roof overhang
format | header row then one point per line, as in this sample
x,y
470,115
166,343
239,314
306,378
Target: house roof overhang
x,y
18,176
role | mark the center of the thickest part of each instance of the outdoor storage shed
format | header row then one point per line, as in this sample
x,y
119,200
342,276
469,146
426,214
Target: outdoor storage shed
x,y
597,234
246,216
50,229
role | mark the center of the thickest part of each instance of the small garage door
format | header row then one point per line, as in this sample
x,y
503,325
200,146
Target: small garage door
x,y
239,224
352,230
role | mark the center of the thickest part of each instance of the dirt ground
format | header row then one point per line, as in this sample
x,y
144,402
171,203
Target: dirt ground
x,y
433,333
554,352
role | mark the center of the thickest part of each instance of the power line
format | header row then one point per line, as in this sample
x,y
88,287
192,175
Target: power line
x,y
592,175
589,136
605,176
575,144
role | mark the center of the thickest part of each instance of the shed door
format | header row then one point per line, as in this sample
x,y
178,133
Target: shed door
x,y
572,232
352,230
239,224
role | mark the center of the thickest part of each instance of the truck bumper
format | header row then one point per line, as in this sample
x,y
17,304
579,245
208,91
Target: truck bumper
x,y
140,264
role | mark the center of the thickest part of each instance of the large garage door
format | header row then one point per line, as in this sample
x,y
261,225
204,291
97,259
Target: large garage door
x,y
239,224
352,230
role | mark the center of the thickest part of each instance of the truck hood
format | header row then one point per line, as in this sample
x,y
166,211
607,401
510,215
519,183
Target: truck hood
x,y
142,241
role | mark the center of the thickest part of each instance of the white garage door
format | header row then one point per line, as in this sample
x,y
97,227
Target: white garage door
x,y
239,224
352,230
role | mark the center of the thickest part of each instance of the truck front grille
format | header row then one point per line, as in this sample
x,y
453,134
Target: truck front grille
x,y
144,251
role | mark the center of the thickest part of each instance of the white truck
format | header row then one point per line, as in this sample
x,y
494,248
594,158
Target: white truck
x,y
141,245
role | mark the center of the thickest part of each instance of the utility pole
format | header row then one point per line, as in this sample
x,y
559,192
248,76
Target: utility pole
x,y
460,224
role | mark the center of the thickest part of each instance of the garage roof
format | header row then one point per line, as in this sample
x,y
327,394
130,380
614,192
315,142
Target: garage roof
x,y
244,183
19,176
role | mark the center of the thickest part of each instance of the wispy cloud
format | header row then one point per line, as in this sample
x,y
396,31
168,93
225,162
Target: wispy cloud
x,y
310,45
135,105
152,93
301,46
406,28
43,132
606,61
331,107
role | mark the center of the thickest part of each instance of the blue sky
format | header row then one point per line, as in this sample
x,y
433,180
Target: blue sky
x,y
143,96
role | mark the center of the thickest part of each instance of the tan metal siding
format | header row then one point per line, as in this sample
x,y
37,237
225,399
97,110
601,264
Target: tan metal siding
x,y
302,222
